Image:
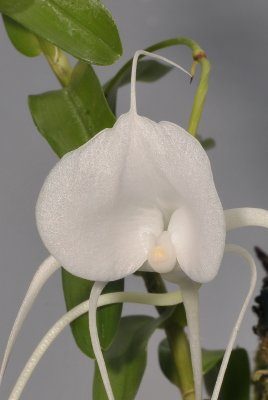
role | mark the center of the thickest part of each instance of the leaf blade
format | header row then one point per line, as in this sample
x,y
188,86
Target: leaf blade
x,y
166,362
22,39
77,290
84,28
210,359
236,383
69,117
126,358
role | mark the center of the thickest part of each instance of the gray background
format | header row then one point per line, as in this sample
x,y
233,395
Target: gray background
x,y
235,36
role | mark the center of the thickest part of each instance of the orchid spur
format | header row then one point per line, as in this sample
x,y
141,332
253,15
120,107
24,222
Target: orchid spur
x,y
138,196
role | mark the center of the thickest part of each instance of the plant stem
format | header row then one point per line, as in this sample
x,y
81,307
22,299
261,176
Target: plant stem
x,y
180,350
177,339
58,62
199,57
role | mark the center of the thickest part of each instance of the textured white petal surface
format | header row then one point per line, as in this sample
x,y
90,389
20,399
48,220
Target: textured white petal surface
x,y
102,203
89,214
194,206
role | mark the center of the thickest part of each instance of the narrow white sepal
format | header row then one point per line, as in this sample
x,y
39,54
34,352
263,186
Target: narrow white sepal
x,y
45,270
231,248
190,296
163,299
241,217
133,101
93,330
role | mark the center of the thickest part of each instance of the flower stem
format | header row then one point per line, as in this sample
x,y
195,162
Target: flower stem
x,y
199,57
180,350
177,339
201,92
57,61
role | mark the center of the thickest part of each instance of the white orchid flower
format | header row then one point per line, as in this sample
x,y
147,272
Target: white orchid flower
x,y
138,196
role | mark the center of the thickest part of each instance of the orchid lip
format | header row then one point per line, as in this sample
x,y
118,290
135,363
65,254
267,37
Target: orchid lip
x,y
162,256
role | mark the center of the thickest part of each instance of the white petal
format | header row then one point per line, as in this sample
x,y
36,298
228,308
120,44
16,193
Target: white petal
x,y
100,204
184,164
198,226
86,214
184,236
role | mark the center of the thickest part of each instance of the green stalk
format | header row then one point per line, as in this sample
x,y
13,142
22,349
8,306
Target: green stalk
x,y
177,339
199,57
57,61
180,349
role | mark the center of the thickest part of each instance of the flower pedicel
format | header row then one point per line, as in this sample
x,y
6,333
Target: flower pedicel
x,y
138,196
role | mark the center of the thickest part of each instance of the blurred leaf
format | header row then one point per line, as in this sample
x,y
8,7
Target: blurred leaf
x,y
126,358
83,28
22,39
236,384
69,117
14,6
166,362
207,143
77,290
210,359
147,71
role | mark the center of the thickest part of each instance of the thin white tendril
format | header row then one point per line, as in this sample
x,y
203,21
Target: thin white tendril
x,y
133,102
95,341
231,248
241,217
163,299
45,270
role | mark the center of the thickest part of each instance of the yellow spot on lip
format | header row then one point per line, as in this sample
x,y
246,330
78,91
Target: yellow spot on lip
x,y
159,254
162,257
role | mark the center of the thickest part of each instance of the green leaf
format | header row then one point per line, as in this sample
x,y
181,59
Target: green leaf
x,y
14,6
83,28
69,117
210,359
147,71
236,383
166,362
126,358
77,290
22,39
